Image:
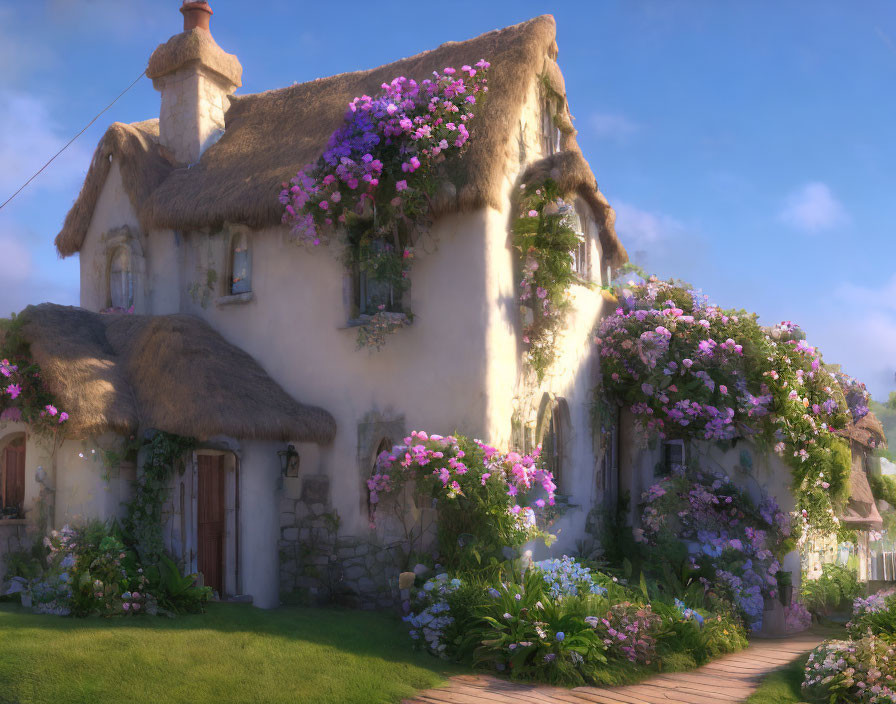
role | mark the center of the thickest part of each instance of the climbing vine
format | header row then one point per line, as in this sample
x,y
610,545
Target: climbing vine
x,y
546,236
164,455
374,183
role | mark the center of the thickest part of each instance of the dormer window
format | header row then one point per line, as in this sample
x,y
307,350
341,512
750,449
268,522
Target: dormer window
x,y
240,265
121,280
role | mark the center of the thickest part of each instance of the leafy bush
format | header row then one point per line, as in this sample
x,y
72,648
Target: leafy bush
x,y
875,614
834,590
90,571
851,672
564,623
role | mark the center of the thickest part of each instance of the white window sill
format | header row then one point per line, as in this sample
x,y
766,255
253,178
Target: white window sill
x,y
235,298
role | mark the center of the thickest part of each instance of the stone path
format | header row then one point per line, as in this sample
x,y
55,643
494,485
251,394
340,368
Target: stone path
x,y
731,678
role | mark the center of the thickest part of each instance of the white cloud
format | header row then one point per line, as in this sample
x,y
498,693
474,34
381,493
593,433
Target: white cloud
x,y
813,208
30,136
614,126
855,326
660,243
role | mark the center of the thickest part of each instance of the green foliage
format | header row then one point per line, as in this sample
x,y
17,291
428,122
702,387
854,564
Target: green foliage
x,y
175,592
560,624
781,686
834,590
164,455
546,238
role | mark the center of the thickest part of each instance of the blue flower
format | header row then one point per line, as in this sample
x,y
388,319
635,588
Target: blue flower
x,y
560,635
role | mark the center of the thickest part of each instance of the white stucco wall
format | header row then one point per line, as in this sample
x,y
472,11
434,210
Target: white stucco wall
x,y
259,523
459,367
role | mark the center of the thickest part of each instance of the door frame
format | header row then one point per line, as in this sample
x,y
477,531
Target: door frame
x,y
186,513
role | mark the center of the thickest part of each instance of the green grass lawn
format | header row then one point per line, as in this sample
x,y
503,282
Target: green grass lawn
x,y
233,653
782,686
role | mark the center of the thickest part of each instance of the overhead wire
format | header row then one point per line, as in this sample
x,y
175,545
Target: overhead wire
x,y
71,141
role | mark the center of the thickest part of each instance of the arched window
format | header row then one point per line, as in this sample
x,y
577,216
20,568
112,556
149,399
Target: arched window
x,y
240,269
553,433
121,279
12,479
385,445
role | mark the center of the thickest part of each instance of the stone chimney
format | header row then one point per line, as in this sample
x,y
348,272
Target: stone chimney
x,y
195,77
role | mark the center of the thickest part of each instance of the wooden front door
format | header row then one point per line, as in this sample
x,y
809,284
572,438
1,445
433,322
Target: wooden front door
x,y
12,486
211,521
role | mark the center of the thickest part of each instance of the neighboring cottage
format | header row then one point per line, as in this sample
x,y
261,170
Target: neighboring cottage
x,y
179,221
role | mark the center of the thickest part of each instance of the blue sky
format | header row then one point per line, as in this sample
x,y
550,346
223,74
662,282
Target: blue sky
x,y
747,147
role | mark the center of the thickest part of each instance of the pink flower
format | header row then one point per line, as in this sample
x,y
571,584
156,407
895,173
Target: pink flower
x,y
336,197
126,606
14,390
324,205
63,417
51,410
533,213
484,478
401,185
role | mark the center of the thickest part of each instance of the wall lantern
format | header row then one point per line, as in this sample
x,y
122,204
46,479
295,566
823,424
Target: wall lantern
x,y
289,461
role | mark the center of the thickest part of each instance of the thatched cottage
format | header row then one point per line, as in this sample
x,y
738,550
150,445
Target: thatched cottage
x,y
179,221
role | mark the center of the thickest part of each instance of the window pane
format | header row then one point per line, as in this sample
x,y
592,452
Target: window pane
x,y
121,281
239,266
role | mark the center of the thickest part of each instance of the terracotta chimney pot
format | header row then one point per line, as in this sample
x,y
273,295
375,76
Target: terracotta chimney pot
x,y
197,15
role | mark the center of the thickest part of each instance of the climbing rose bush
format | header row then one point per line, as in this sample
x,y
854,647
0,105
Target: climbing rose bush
x,y
24,397
732,545
851,672
688,369
488,501
374,182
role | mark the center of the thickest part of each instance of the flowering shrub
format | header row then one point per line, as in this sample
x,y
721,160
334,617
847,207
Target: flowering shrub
x,y
796,617
23,395
566,577
875,614
545,236
732,545
375,179
428,625
688,369
629,630
487,500
851,672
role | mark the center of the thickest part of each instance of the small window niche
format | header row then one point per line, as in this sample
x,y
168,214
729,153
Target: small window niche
x,y
673,459
240,275
237,279
121,280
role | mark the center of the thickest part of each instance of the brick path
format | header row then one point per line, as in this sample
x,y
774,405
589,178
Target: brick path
x,y
731,678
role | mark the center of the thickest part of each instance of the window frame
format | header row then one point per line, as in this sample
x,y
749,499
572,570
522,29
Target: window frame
x,y
665,467
121,250
18,440
237,238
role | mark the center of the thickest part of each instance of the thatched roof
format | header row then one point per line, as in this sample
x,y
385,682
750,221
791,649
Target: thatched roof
x,y
861,512
270,136
143,167
868,432
174,373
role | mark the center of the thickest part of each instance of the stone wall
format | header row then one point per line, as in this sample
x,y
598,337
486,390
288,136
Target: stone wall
x,y
317,565
320,565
